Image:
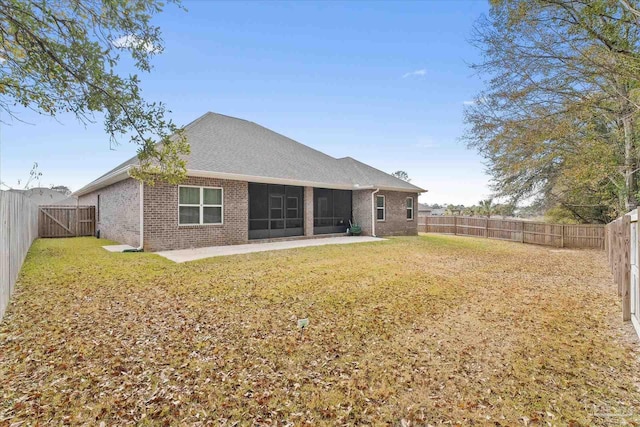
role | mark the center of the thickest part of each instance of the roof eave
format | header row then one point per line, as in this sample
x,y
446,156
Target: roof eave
x,y
402,190
115,176
301,183
266,179
123,173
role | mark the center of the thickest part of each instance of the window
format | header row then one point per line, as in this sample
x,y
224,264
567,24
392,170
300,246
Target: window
x,y
199,205
409,208
380,208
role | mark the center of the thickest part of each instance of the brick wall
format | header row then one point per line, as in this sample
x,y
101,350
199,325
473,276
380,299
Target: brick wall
x,y
161,229
361,210
118,216
308,211
396,222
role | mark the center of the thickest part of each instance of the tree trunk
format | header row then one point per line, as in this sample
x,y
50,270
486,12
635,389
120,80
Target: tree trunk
x,y
631,201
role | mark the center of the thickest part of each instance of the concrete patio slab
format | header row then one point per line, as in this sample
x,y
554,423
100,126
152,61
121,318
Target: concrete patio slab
x,y
117,248
185,255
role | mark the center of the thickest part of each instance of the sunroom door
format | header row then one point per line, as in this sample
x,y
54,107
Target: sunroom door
x,y
276,215
275,211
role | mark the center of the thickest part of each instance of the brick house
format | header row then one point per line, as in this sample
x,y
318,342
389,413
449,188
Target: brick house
x,y
247,183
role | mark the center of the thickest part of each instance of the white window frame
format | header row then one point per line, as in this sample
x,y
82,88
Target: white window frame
x,y
201,205
384,208
409,208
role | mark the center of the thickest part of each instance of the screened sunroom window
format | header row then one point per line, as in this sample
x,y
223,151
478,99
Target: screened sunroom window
x,y
199,205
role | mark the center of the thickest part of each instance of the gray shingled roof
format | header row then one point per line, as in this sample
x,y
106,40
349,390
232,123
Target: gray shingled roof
x,y
226,144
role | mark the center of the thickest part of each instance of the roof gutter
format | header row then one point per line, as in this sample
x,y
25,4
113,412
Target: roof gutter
x,y
123,173
112,178
373,212
289,181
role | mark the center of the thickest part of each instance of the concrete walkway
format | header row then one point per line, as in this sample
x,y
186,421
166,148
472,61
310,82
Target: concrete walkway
x,y
184,255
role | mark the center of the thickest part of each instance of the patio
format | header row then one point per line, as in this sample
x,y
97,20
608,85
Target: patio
x,y
186,255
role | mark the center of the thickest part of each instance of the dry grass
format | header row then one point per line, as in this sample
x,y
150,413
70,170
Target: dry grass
x,y
423,330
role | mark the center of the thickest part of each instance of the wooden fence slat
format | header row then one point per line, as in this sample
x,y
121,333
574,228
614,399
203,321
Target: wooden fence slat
x,y
56,221
559,235
18,229
626,276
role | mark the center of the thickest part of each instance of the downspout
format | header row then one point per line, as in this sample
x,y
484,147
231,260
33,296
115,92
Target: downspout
x,y
373,212
141,247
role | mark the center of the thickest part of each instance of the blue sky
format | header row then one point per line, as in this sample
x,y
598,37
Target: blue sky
x,y
382,82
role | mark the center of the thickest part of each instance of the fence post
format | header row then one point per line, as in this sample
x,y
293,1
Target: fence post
x,y
562,236
626,278
455,225
486,227
521,231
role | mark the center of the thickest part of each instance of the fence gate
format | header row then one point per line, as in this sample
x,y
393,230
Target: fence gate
x,y
66,221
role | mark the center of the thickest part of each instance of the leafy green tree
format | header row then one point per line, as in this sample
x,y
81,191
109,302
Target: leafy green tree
x,y
558,117
505,209
454,209
469,211
560,215
63,57
486,207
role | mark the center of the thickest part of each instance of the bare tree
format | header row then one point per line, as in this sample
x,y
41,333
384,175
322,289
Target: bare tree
x,y
558,116
34,176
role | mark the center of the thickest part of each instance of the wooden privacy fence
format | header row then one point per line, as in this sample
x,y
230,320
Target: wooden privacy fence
x,y
621,245
18,229
67,221
537,233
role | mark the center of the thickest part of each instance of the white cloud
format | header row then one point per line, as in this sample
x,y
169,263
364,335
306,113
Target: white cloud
x,y
417,73
469,102
134,41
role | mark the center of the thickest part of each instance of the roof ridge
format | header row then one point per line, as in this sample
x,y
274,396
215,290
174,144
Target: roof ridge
x,y
226,115
273,131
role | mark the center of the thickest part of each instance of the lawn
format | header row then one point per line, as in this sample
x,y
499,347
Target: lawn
x,y
410,331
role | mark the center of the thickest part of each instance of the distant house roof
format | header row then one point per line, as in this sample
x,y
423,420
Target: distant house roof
x,y
431,211
47,196
232,148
